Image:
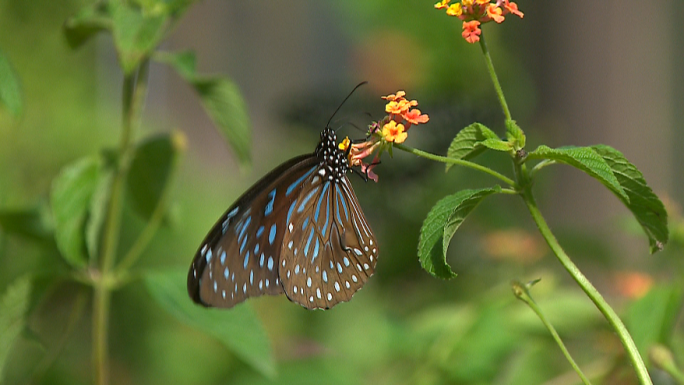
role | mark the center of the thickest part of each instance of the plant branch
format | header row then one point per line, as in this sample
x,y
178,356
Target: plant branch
x,y
522,293
495,79
134,90
588,288
459,162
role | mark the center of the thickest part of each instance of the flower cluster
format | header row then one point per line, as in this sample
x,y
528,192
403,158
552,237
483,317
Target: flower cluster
x,y
393,128
476,12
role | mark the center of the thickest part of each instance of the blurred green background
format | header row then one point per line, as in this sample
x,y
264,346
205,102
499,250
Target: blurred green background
x,y
574,73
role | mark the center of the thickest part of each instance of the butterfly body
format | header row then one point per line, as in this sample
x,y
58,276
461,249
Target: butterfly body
x,y
299,230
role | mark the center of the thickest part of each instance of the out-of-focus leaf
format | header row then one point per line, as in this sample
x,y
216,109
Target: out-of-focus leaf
x,y
651,319
239,329
71,194
185,63
222,100
641,201
173,8
467,143
88,22
97,211
10,91
136,33
13,305
152,168
30,223
316,371
585,159
441,224
224,104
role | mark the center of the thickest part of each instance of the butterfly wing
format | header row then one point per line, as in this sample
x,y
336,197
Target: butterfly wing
x,y
239,258
328,250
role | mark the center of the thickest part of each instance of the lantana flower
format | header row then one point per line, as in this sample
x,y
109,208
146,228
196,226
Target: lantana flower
x,y
474,13
393,128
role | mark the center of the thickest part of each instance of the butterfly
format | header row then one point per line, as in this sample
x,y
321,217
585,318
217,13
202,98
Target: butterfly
x,y
299,230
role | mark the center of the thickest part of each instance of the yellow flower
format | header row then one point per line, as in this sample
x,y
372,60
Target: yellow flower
x,y
393,132
442,4
455,10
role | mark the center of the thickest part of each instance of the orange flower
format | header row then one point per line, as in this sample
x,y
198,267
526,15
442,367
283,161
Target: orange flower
x,y
495,13
399,95
414,117
473,13
442,4
393,132
513,8
382,134
471,31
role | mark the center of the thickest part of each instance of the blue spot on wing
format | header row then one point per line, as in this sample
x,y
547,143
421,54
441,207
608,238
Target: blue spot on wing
x,y
298,181
341,199
307,199
269,206
260,231
320,201
272,234
246,260
289,212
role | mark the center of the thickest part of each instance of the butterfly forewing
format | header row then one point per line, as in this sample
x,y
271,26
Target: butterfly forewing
x,y
239,257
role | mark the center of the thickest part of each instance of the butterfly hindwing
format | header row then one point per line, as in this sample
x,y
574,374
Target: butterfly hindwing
x,y
328,250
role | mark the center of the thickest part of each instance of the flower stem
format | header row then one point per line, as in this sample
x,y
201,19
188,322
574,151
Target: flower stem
x,y
134,89
495,79
522,293
459,162
588,288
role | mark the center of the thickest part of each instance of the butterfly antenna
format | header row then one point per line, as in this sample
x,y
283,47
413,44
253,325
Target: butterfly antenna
x,y
345,99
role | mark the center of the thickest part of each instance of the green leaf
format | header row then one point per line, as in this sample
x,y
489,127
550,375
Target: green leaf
x,y
13,306
239,329
72,190
220,97
585,159
441,224
641,201
184,63
497,145
151,171
223,102
467,143
10,91
88,22
136,33
652,318
30,223
515,135
97,210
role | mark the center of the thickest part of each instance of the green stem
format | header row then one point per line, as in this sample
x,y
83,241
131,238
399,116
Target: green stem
x,y
134,89
588,288
459,162
522,293
495,79
100,327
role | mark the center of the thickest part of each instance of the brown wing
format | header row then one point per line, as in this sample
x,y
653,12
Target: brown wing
x,y
240,256
328,250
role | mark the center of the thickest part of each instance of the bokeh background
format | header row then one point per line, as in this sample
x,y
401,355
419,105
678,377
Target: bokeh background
x,y
574,73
